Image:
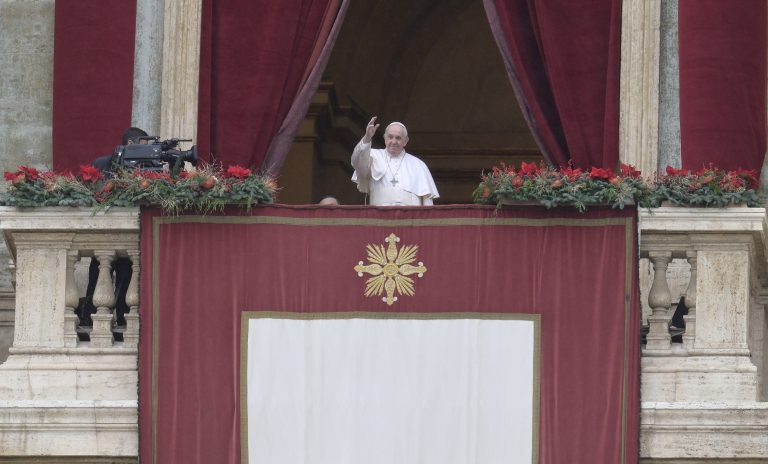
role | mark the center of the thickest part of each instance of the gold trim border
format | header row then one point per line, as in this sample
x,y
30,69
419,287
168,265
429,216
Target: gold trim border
x,y
627,222
246,316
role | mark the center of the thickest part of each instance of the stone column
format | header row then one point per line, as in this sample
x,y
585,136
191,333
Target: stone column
x,y
669,88
148,66
26,91
639,92
181,68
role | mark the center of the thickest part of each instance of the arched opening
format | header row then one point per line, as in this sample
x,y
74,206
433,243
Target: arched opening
x,y
434,67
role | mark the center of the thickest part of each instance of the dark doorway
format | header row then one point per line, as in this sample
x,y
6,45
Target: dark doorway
x,y
433,66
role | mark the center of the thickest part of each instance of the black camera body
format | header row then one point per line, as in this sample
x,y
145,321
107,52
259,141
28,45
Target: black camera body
x,y
155,155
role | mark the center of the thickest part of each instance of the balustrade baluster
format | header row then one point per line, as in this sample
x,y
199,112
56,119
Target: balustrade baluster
x,y
131,335
659,298
689,337
71,301
104,300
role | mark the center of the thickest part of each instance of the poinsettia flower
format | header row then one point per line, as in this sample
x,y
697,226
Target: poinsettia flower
x,y
237,172
14,177
627,170
570,172
90,173
600,173
676,172
749,175
528,169
31,174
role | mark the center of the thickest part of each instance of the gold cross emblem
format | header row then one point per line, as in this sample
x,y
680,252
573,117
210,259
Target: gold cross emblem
x,y
390,269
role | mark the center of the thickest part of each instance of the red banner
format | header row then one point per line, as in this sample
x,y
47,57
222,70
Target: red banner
x,y
576,271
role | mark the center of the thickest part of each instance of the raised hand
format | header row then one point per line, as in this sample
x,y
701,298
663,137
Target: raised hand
x,y
370,129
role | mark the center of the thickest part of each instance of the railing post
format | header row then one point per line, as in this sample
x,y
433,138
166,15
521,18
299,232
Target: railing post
x,y
690,303
71,300
131,335
104,300
659,300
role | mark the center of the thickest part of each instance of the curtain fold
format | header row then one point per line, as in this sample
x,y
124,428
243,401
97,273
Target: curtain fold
x,y
257,62
281,143
722,83
563,60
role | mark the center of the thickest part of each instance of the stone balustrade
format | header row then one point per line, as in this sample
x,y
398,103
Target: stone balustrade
x,y
704,397
67,389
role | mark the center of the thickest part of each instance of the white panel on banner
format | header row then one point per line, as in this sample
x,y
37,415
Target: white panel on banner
x,y
383,391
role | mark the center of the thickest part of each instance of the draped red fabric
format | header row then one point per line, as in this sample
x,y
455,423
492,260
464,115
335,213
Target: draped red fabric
x,y
578,271
255,57
92,78
563,59
722,83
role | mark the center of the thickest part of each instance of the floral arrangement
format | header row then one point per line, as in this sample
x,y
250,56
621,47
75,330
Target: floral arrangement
x,y
208,188
569,186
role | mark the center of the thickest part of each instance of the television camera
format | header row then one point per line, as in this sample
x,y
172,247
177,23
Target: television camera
x,y
152,154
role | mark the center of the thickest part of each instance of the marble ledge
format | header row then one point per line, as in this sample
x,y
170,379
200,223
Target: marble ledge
x,y
69,219
677,219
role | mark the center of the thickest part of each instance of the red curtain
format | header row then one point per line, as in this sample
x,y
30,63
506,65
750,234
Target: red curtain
x,y
255,59
576,270
92,78
563,59
722,83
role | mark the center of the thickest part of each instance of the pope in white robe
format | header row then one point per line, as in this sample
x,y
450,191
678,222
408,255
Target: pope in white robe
x,y
391,176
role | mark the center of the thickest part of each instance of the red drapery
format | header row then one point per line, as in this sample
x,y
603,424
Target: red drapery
x,y
722,83
255,59
563,59
92,78
577,271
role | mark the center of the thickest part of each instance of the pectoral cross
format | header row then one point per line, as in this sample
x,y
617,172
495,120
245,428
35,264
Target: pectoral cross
x,y
393,182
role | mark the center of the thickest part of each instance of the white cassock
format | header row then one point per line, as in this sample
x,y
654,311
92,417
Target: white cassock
x,y
401,180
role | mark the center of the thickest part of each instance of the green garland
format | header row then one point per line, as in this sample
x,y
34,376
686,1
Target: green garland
x,y
210,188
568,186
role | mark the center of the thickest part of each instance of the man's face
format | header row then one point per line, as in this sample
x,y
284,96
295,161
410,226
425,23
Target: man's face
x,y
395,139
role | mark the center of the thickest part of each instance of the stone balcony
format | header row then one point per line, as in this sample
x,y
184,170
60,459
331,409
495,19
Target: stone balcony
x,y
703,392
68,391
65,391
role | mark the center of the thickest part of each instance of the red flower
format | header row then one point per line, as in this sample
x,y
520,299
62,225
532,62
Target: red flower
x,y
15,177
517,182
750,175
571,173
600,173
528,169
627,170
238,172
676,172
89,173
31,174
486,192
